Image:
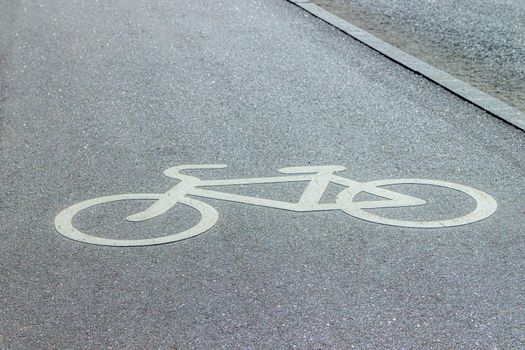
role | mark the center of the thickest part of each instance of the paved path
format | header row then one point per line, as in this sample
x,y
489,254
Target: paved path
x,y
99,98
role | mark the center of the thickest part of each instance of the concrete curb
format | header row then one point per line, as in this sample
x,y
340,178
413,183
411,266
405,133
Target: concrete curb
x,y
477,97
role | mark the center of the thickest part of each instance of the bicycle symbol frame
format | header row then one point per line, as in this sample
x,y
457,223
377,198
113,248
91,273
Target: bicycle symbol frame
x,y
318,178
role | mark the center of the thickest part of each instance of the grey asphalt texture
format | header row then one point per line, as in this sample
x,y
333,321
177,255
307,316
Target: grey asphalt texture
x,y
98,98
479,41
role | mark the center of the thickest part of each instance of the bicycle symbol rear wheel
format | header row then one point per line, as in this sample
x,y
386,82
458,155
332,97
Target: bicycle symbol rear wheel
x,y
485,205
64,221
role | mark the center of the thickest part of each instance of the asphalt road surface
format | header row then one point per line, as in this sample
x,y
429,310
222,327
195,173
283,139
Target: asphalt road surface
x,y
99,98
479,41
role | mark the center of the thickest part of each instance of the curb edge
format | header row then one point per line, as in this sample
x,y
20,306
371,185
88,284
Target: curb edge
x,y
458,87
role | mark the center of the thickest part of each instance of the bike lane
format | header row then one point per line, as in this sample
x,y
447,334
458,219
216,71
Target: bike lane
x,y
99,100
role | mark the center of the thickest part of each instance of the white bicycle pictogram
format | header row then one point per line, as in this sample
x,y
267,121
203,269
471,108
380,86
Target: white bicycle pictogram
x,y
318,179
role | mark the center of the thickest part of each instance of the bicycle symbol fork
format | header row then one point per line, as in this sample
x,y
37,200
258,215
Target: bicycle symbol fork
x,y
318,179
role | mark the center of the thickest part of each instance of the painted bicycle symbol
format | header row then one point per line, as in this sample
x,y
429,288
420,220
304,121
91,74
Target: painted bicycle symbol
x,y
317,177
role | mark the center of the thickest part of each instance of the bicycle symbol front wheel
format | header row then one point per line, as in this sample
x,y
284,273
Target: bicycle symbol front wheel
x,y
64,221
